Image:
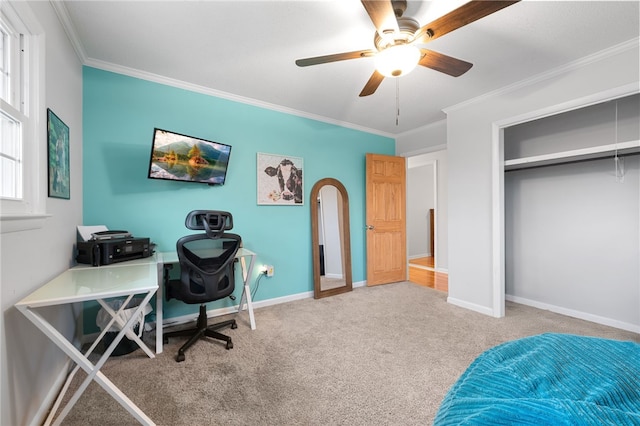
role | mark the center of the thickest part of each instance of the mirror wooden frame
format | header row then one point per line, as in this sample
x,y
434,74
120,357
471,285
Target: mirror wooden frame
x,y
346,239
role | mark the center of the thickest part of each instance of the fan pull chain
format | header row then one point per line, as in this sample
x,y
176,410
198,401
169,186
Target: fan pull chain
x,y
397,100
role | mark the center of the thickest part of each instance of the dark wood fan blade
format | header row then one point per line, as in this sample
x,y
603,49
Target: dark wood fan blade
x,y
465,14
382,15
372,84
333,58
443,63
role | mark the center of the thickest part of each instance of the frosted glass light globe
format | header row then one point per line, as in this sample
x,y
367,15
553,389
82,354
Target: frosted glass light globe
x,y
396,61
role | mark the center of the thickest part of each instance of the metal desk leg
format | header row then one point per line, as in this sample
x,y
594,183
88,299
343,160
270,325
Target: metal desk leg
x,y
92,371
159,301
71,375
246,292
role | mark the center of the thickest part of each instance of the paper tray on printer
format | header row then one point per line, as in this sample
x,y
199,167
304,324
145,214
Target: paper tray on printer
x,y
108,235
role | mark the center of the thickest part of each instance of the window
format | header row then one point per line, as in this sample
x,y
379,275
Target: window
x,y
4,60
10,158
22,199
10,145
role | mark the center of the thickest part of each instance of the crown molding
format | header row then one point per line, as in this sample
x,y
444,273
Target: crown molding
x,y
583,102
574,65
425,150
69,28
156,78
421,129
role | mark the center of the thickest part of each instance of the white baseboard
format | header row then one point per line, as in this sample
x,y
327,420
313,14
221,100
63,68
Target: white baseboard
x,y
575,314
471,306
437,269
184,319
418,256
359,284
233,309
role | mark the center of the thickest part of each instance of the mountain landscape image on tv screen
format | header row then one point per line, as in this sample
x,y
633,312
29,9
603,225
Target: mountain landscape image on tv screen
x,y
185,158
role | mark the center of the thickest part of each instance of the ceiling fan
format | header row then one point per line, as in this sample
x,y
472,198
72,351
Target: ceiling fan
x,y
397,37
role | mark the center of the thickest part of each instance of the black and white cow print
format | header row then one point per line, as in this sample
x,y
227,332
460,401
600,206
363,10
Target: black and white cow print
x,y
289,180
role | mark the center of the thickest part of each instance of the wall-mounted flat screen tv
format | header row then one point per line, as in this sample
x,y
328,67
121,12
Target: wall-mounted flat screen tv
x,y
175,156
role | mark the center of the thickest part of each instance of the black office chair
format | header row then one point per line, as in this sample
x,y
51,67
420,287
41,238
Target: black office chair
x,y
206,272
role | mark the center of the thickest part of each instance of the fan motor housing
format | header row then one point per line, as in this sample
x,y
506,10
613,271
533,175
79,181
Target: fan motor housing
x,y
408,28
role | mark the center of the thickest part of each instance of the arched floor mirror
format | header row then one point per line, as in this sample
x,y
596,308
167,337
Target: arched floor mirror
x,y
331,238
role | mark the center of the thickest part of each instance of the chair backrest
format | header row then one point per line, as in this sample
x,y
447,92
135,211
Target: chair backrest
x,y
206,260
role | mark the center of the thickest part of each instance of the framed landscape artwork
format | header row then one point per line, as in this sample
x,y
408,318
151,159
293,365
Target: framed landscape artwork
x,y
280,180
58,157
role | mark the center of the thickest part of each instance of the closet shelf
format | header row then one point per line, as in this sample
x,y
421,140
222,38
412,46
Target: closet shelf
x,y
602,151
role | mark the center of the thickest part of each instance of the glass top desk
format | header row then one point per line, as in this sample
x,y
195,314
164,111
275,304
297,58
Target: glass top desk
x,y
82,284
124,279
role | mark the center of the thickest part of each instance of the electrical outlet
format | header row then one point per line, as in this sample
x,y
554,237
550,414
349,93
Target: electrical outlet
x,y
269,270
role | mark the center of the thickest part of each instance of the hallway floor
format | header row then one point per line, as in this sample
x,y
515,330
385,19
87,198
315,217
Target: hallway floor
x,y
422,272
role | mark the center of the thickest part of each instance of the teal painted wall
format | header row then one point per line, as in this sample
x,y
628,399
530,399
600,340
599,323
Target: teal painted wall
x,y
119,115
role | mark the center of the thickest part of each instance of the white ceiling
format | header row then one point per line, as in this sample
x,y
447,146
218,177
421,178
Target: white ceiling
x,y
245,50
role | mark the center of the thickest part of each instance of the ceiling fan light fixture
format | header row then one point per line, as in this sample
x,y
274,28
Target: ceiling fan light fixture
x,y
398,60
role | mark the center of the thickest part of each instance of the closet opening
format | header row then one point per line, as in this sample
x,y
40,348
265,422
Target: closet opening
x,y
567,212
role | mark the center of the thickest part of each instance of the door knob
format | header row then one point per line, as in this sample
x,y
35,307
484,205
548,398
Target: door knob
x,y
370,227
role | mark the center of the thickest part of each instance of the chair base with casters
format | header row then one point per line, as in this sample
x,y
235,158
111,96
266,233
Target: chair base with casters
x,y
200,331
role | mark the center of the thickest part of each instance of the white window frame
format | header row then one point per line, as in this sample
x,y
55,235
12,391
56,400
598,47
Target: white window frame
x,y
28,212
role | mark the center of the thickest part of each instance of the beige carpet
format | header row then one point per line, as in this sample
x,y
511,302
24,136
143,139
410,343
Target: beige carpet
x,y
382,355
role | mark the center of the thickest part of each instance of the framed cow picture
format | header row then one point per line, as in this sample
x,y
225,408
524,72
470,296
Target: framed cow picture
x,y
280,181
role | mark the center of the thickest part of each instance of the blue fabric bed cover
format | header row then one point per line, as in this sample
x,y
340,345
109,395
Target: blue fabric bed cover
x,y
548,379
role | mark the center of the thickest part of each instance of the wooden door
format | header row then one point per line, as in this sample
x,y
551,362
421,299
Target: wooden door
x,y
386,219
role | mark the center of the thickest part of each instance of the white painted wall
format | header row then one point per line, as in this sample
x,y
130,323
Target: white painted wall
x,y
30,364
474,263
420,199
426,139
423,146
572,240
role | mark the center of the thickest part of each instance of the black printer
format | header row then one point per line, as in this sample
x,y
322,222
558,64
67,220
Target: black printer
x,y
110,247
